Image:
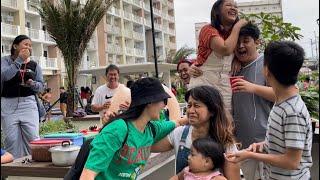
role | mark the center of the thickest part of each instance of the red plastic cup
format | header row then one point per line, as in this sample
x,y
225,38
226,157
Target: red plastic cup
x,y
233,78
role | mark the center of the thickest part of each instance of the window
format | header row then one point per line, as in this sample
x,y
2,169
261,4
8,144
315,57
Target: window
x,y
28,24
45,54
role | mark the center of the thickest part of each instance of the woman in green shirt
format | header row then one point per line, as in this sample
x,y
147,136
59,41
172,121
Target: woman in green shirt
x,y
122,148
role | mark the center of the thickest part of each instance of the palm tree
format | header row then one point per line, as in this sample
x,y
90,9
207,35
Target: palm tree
x,y
183,52
71,25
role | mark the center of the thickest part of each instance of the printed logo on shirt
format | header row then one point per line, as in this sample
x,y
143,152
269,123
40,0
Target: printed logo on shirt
x,y
134,155
133,175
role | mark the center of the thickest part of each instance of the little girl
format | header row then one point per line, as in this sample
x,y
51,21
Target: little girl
x,y
205,161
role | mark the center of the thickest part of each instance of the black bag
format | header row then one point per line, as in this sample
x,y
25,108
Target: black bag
x,y
75,171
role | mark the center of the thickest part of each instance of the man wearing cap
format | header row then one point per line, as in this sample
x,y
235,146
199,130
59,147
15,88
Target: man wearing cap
x,y
103,94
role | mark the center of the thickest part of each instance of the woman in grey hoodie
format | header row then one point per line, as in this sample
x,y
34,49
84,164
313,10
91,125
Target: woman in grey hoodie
x,y
21,79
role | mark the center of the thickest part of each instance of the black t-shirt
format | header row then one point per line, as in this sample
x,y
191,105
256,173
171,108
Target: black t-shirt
x,y
63,97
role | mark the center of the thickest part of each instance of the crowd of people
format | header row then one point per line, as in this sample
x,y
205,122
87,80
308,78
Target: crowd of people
x,y
243,109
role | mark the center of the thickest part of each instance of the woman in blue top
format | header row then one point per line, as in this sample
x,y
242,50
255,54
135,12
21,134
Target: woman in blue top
x,y
122,148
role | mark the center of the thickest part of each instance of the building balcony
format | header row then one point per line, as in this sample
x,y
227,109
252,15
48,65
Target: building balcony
x,y
129,51
158,41
48,38
146,6
170,4
137,3
172,31
165,29
165,15
138,36
160,58
157,26
113,29
171,18
114,49
139,52
157,11
127,15
9,3
128,1
172,45
130,61
140,61
92,45
117,12
138,19
31,6
128,33
165,2
147,22
9,30
34,34
46,63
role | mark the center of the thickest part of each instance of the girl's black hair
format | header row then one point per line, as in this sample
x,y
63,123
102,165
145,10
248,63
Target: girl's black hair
x,y
209,148
17,40
216,16
131,114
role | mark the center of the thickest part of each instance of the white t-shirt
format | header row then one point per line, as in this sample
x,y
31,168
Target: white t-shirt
x,y
100,94
175,137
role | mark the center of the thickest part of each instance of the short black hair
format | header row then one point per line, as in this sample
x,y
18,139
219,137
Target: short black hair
x,y
284,60
112,67
251,30
61,87
211,149
17,41
129,83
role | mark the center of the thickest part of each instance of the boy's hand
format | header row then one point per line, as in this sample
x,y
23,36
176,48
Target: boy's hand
x,y
235,66
238,156
241,85
195,71
256,147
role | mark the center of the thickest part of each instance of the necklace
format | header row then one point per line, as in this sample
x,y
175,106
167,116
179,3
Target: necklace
x,y
22,73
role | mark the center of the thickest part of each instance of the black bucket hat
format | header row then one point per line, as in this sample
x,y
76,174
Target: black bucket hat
x,y
147,90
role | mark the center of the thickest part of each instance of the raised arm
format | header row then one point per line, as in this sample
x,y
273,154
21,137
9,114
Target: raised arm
x,y
226,47
162,146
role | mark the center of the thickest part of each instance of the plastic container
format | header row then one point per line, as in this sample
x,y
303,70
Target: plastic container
x,y
75,138
40,149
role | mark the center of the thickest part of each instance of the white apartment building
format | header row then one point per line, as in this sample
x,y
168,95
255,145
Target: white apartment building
x,y
123,37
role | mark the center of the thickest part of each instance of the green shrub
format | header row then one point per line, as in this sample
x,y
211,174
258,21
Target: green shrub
x,y
56,126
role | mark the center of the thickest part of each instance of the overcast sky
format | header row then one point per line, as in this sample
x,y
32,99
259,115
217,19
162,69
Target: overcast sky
x,y
301,13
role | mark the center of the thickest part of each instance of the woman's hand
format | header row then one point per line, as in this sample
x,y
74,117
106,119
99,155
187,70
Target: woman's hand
x,y
195,71
240,85
107,116
24,54
241,23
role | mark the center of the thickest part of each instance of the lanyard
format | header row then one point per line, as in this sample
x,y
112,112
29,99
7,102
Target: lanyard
x,y
22,73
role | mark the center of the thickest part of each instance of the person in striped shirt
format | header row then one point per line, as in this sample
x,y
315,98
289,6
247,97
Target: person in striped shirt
x,y
286,151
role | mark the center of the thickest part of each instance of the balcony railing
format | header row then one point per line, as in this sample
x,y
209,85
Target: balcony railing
x,y
158,42
139,52
130,61
170,4
138,19
113,29
137,2
33,33
117,12
157,11
138,36
10,30
128,1
171,18
172,31
128,33
92,45
129,51
157,26
114,49
172,45
165,2
47,37
146,6
9,3
45,63
127,15
140,61
147,22
31,6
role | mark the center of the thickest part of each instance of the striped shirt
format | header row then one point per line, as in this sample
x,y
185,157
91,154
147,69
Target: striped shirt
x,y
289,126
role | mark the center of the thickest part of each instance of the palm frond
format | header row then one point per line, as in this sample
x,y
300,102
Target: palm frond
x,y
183,52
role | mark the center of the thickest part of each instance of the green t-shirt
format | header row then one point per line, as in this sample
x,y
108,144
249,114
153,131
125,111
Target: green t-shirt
x,y
110,163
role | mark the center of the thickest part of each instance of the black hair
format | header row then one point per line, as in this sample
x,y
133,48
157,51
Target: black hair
x,y
61,87
48,90
129,83
284,60
112,67
82,89
17,40
211,149
183,61
251,30
131,114
216,15
221,127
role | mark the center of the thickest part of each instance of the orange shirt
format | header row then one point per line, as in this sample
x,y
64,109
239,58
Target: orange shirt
x,y
204,50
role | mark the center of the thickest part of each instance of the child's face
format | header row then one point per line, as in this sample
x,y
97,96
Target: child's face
x,y
198,163
246,50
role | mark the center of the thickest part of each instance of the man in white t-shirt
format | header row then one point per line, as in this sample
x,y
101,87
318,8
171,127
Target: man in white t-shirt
x,y
103,94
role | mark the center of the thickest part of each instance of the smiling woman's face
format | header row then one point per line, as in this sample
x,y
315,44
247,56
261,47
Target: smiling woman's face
x,y
229,12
